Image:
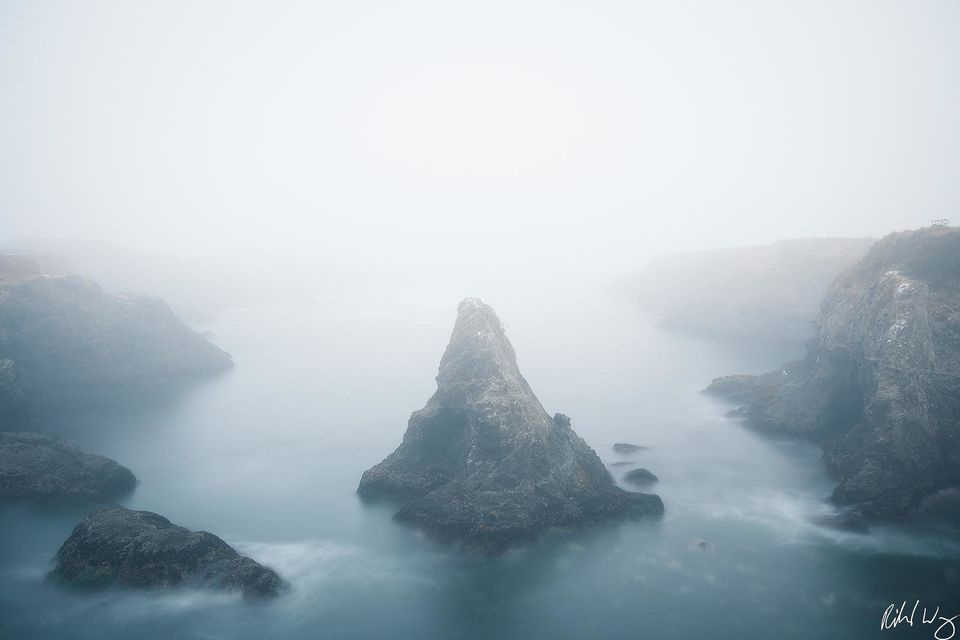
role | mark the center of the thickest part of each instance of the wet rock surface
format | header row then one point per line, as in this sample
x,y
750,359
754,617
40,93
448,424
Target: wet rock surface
x,y
114,546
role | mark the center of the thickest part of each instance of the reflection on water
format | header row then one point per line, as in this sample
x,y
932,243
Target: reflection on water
x,y
268,456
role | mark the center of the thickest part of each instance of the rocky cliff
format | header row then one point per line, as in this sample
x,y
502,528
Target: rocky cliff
x,y
483,464
65,330
117,546
769,292
880,385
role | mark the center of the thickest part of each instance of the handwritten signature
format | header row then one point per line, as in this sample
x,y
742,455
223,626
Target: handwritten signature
x,y
895,615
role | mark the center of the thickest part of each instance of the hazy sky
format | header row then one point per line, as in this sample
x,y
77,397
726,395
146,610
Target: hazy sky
x,y
534,134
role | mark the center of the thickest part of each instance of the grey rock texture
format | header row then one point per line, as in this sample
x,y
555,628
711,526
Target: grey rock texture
x,y
65,330
880,385
770,292
640,477
117,546
40,467
14,409
483,465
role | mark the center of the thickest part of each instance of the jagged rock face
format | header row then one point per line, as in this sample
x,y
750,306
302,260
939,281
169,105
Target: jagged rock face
x,y
14,412
117,546
880,386
35,466
65,330
483,464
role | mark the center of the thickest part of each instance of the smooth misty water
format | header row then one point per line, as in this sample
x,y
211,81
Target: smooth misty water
x,y
268,457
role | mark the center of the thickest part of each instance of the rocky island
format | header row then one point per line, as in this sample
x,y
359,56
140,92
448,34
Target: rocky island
x,y
483,465
117,546
39,467
879,388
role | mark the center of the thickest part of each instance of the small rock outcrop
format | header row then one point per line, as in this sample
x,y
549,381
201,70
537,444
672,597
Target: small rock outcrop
x,y
35,466
66,330
880,385
114,546
640,477
627,448
483,465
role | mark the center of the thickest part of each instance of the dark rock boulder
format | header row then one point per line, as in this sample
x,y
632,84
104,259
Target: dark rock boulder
x,y
36,466
640,477
879,388
483,465
117,546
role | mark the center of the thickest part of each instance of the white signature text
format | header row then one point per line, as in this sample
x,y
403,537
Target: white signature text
x,y
907,616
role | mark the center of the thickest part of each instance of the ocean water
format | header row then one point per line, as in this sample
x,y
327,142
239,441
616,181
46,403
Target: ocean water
x,y
268,457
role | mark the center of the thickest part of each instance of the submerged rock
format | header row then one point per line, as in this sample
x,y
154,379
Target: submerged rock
x,y
623,463
700,544
66,330
35,466
117,546
626,447
640,476
483,465
879,388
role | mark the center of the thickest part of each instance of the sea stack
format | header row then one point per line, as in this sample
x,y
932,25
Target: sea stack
x,y
483,465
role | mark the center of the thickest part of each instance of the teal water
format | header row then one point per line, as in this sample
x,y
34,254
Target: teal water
x,y
268,457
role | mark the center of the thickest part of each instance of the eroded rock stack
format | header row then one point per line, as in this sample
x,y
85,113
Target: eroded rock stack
x,y
483,464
